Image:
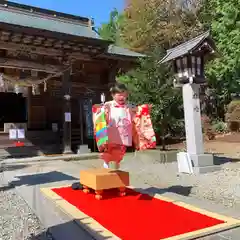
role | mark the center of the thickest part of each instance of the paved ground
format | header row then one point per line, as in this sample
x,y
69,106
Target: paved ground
x,y
209,191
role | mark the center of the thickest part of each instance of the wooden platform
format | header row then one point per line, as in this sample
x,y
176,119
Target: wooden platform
x,y
103,179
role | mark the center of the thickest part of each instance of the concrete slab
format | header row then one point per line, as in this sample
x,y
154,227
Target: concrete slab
x,y
30,178
28,181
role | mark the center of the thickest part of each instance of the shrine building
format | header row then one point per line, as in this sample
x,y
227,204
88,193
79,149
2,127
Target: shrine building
x,y
53,67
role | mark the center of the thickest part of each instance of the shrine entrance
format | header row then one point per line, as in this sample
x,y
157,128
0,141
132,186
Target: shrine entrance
x,y
81,125
12,109
62,67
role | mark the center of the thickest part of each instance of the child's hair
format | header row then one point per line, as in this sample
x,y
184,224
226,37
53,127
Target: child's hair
x,y
118,88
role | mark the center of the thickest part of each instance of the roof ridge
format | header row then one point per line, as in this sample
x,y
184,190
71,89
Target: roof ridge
x,y
201,36
44,12
39,15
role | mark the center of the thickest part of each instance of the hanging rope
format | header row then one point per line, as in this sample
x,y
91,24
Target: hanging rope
x,y
27,82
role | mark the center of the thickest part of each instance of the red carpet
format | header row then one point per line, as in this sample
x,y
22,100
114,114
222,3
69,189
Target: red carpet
x,y
137,216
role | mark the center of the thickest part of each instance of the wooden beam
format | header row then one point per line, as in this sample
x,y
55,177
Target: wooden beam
x,y
31,49
11,46
29,65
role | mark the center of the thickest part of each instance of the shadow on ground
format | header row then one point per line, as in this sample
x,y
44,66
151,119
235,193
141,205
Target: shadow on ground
x,y
219,160
7,167
178,189
69,231
41,178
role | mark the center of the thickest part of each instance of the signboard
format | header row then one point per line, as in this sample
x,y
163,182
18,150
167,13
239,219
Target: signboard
x,y
16,133
67,116
184,163
20,133
13,134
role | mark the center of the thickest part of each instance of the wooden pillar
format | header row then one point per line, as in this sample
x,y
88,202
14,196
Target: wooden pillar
x,y
29,107
66,87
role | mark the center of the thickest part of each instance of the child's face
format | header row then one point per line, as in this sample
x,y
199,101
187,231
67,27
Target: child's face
x,y
120,98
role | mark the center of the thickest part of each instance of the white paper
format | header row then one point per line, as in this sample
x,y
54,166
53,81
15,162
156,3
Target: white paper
x,y
184,163
12,134
21,133
67,116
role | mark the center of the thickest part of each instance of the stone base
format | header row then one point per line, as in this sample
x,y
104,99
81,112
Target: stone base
x,y
82,149
67,152
197,163
201,160
207,169
203,163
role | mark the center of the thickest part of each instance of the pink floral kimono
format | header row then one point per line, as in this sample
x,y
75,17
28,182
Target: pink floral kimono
x,y
126,125
119,121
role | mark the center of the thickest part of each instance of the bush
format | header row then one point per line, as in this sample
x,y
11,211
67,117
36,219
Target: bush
x,y
232,116
207,128
206,123
220,127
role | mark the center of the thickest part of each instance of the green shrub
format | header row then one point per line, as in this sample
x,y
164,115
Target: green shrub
x,y
220,127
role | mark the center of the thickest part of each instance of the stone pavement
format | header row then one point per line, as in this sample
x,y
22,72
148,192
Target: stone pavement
x,y
147,174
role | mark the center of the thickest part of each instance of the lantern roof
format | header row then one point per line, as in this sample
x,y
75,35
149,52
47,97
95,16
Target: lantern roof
x,y
188,47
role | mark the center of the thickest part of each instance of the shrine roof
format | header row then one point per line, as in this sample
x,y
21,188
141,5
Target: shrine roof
x,y
185,48
51,21
115,50
28,16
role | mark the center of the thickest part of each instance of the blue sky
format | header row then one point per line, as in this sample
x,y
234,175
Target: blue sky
x,y
97,9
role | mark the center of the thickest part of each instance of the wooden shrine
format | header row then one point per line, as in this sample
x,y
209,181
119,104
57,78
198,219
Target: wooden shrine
x,y
58,66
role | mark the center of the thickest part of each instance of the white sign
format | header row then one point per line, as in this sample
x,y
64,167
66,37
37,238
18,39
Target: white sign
x,y
184,163
67,116
21,133
12,133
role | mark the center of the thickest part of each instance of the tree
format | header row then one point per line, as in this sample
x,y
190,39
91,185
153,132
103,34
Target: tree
x,y
151,27
165,23
223,73
111,30
152,83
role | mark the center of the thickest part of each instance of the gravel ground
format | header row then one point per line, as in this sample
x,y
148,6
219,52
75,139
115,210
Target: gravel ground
x,y
221,187
17,221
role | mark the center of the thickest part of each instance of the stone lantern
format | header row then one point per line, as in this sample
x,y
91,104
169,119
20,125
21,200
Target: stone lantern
x,y
188,61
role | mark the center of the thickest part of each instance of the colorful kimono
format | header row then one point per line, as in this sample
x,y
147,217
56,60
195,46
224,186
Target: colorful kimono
x,y
144,136
100,126
118,126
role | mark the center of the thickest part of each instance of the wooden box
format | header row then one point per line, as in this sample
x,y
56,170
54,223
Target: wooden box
x,y
101,179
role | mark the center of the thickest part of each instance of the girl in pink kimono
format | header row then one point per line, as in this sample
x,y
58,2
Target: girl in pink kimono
x,y
119,116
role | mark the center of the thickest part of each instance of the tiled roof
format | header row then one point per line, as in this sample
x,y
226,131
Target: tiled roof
x,y
123,52
19,16
24,19
185,47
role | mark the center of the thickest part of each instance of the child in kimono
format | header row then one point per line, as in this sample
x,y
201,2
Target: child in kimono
x,y
117,125
119,116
